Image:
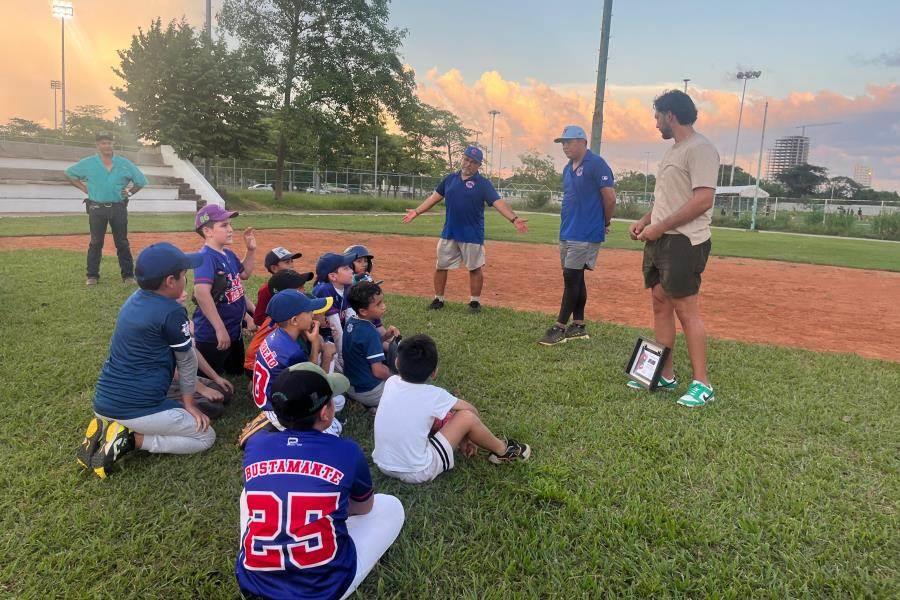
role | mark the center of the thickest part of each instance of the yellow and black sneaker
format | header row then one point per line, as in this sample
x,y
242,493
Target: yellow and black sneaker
x,y
92,439
117,440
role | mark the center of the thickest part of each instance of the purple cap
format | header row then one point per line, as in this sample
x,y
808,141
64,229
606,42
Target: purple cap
x,y
212,213
475,154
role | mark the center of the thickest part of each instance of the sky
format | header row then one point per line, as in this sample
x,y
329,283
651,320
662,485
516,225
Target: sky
x,y
536,63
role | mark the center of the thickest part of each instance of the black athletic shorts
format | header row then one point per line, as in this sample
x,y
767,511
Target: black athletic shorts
x,y
675,264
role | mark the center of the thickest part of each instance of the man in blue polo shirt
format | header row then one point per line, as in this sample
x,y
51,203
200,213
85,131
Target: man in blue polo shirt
x,y
462,240
105,178
589,200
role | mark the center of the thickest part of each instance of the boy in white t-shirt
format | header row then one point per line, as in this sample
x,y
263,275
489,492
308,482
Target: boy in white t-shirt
x,y
417,425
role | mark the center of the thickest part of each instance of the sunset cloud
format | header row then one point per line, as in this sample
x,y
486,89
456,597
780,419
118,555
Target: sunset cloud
x,y
533,113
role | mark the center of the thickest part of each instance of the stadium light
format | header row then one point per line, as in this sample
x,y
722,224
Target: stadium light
x,y
746,76
62,9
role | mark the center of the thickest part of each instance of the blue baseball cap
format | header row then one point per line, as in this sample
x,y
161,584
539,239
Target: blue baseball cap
x,y
289,303
331,262
474,153
158,260
571,132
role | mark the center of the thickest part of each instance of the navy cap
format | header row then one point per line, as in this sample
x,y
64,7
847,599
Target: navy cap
x,y
571,132
163,259
475,153
290,303
331,262
299,393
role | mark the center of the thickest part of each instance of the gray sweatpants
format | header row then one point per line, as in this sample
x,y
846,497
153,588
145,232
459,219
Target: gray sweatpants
x,y
172,431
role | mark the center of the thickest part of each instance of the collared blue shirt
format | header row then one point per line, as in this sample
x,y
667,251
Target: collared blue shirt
x,y
362,349
465,200
134,380
106,185
582,218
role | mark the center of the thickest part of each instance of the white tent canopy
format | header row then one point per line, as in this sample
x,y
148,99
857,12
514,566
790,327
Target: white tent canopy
x,y
744,191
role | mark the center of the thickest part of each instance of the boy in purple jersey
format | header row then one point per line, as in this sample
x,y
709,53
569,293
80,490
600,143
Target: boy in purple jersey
x,y
219,292
311,525
292,312
334,274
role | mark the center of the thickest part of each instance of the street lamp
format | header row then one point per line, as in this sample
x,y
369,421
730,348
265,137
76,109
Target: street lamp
x,y
63,9
685,84
746,76
477,133
55,85
493,114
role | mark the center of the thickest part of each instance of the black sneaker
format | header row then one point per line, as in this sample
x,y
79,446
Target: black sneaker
x,y
474,306
117,440
577,331
91,442
555,335
514,451
436,304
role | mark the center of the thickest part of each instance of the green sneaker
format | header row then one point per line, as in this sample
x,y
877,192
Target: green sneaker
x,y
698,394
665,385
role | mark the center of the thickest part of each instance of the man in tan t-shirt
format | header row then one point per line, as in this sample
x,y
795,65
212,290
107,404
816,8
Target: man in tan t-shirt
x,y
677,236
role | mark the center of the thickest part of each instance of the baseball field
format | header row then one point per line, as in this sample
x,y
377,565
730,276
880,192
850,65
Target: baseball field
x,y
786,486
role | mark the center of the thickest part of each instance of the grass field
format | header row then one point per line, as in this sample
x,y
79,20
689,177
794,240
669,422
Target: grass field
x,y
543,229
786,487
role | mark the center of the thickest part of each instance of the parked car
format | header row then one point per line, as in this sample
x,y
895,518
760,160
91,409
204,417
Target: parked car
x,y
262,186
321,190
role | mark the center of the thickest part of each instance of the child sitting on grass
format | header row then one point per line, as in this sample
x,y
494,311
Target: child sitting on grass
x,y
365,361
277,260
418,425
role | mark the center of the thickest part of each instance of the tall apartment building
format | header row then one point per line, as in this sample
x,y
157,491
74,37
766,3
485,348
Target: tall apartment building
x,y
862,175
788,152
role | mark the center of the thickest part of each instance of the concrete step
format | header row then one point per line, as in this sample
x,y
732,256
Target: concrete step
x,y
148,156
62,165
47,205
62,191
52,176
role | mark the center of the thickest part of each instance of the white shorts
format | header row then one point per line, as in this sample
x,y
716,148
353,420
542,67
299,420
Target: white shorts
x,y
441,460
450,254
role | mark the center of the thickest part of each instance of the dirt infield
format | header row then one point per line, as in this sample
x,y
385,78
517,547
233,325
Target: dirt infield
x,y
820,308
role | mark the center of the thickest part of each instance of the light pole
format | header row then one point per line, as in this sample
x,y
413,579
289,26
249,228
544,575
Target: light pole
x,y
493,114
685,84
477,133
55,85
63,9
500,163
762,139
208,23
746,76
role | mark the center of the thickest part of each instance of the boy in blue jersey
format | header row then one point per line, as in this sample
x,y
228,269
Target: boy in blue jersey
x,y
589,200
334,276
292,312
311,525
364,347
151,337
462,240
219,291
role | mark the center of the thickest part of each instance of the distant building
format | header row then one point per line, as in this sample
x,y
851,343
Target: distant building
x,y
863,175
788,152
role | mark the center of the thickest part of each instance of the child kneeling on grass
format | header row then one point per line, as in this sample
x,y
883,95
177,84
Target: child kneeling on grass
x,y
151,337
418,425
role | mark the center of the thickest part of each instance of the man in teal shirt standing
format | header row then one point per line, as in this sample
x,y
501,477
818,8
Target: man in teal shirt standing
x,y
109,181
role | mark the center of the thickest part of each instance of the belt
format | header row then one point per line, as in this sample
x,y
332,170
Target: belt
x,y
104,204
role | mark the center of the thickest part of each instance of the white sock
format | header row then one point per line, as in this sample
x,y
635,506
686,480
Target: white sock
x,y
441,298
474,298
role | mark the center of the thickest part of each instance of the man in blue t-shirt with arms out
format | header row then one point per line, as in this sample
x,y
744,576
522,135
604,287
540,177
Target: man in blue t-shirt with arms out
x,y
462,240
589,200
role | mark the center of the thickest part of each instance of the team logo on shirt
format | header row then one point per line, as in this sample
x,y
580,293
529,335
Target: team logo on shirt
x,y
470,184
579,171
604,178
293,441
186,328
349,327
